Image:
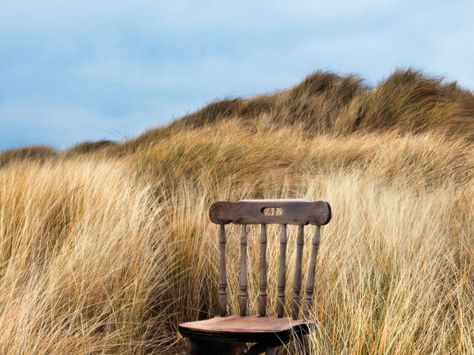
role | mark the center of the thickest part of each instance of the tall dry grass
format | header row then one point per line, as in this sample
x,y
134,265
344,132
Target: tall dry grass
x,y
107,251
325,103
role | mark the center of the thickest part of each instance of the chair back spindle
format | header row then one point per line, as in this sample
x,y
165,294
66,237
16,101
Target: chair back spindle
x,y
222,273
282,272
298,266
243,271
262,304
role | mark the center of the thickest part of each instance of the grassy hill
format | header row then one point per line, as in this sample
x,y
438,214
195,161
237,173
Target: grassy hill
x,y
105,247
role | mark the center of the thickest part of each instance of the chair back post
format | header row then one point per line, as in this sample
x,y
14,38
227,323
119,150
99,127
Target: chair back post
x,y
312,271
222,273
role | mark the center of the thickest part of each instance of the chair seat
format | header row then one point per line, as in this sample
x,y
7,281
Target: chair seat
x,y
251,329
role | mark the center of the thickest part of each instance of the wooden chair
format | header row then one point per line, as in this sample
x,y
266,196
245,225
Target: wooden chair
x,y
228,334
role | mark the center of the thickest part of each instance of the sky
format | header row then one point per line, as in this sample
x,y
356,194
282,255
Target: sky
x,y
72,71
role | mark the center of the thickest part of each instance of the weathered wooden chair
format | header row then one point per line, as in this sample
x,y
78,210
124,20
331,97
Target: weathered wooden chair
x,y
227,334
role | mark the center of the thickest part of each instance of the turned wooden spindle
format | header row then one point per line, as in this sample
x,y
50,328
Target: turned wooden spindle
x,y
243,296
262,304
282,272
297,281
222,273
312,271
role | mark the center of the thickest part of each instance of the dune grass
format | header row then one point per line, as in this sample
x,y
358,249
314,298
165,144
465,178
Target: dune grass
x,y
107,253
32,153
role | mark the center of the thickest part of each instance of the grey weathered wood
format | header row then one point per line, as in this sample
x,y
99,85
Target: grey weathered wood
x,y
243,296
222,272
298,266
312,271
282,272
252,212
262,304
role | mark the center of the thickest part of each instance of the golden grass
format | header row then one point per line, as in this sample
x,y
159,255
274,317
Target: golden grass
x,y
326,103
107,253
88,148
32,153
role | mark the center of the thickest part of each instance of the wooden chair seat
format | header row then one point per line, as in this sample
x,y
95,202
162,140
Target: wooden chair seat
x,y
249,329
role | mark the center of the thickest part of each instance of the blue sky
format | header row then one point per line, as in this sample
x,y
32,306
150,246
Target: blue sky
x,y
87,70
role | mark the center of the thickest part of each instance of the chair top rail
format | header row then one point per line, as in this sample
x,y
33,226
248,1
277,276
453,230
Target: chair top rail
x,y
297,212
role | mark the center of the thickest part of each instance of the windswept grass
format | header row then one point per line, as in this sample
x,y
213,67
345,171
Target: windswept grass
x,y
326,103
33,153
88,148
107,251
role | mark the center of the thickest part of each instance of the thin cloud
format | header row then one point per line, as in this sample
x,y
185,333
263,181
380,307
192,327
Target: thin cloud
x,y
109,69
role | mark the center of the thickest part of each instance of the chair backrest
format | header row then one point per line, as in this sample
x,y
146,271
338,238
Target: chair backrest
x,y
293,212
